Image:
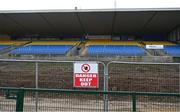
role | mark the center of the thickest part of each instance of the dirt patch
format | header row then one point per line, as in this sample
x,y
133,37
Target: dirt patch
x,y
77,105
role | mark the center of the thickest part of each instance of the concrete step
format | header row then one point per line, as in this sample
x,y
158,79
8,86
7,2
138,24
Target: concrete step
x,y
157,52
12,47
74,51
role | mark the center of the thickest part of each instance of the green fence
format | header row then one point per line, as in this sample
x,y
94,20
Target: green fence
x,y
27,99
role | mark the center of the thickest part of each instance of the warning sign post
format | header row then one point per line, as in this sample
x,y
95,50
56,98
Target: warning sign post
x,y
86,75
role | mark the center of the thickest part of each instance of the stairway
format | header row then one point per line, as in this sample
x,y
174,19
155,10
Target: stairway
x,y
74,51
12,47
156,52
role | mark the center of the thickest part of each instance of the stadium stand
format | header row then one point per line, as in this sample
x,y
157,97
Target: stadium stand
x,y
122,48
42,49
173,50
6,46
12,42
3,46
5,38
157,43
54,43
45,47
170,48
110,42
157,52
93,47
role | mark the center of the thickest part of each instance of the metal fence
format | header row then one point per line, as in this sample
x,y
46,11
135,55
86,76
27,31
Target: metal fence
x,y
123,86
23,99
144,77
41,74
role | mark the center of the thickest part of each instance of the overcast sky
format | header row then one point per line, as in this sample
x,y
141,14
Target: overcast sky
x,y
85,4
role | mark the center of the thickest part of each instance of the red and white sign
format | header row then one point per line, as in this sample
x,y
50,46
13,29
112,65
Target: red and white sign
x,y
86,75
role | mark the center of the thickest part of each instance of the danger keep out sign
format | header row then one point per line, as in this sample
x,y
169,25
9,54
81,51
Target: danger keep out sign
x,y
86,75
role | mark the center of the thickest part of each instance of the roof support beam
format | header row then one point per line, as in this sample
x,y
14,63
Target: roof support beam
x,y
113,24
148,21
23,28
81,24
47,21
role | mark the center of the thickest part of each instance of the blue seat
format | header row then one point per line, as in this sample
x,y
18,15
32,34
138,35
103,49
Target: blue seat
x,y
173,50
3,46
123,50
42,49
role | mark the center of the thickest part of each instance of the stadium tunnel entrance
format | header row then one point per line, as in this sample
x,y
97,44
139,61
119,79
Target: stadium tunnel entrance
x,y
98,33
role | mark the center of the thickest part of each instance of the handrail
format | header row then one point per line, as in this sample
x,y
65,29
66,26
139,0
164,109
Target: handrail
x,y
92,91
21,91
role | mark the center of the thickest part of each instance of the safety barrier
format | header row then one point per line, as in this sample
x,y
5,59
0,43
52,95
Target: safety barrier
x,y
42,74
143,77
23,99
46,85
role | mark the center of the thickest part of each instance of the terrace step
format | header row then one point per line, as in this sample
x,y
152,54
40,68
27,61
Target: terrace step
x,y
12,47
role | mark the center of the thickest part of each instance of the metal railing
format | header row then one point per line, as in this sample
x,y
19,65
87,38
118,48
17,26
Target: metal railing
x,y
124,86
143,76
41,74
22,99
